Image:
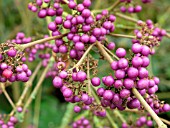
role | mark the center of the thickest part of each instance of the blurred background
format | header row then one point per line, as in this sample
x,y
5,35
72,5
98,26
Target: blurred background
x,y
49,106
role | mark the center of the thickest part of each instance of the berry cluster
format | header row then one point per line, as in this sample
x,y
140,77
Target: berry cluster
x,y
148,35
139,123
10,124
133,8
84,29
81,123
74,88
21,39
143,121
157,105
11,65
46,8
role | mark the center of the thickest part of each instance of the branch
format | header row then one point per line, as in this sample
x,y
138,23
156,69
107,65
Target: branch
x,y
34,92
24,46
126,17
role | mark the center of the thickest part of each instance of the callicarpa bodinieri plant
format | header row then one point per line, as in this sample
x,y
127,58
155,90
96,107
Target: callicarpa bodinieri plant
x,y
77,39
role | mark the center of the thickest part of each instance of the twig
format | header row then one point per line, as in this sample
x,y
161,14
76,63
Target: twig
x,y
24,46
121,35
135,91
126,17
7,95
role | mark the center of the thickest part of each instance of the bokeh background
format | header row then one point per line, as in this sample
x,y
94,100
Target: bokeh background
x,y
49,106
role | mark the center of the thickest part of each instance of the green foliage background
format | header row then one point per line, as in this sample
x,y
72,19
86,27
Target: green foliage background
x,y
15,17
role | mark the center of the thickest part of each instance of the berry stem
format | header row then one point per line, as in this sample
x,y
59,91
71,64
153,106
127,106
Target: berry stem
x,y
148,108
135,92
121,35
34,92
24,46
82,58
2,85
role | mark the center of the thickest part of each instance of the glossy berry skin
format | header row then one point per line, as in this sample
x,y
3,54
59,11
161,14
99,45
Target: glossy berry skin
x,y
57,82
133,104
128,83
7,73
114,65
166,107
12,52
120,74
136,48
42,13
111,46
95,81
100,91
137,61
81,76
121,52
123,63
84,97
108,95
67,93
142,84
77,109
109,80
124,93
132,72
145,50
